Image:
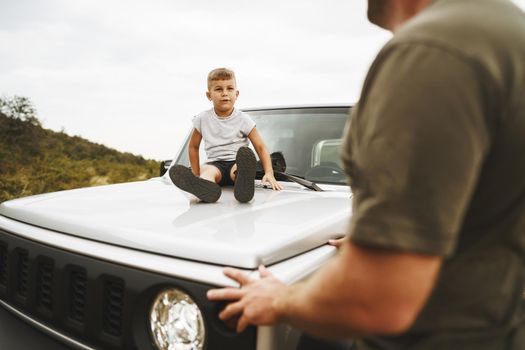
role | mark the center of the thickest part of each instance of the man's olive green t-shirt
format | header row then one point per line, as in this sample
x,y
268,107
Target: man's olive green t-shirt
x,y
436,157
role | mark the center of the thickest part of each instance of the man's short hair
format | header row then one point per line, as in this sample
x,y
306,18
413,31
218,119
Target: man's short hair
x,y
220,74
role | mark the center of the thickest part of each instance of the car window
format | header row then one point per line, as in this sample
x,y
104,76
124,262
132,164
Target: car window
x,y
308,138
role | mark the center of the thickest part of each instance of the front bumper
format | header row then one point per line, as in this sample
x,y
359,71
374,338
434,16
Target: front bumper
x,y
95,303
18,334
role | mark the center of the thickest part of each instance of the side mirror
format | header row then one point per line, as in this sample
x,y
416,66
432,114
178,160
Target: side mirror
x,y
164,166
278,162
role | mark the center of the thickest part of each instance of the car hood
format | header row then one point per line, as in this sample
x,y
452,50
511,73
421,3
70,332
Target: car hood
x,y
157,217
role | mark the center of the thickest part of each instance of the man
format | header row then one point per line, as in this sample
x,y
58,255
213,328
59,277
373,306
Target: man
x,y
436,159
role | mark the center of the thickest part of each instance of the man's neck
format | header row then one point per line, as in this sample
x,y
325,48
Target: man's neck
x,y
403,10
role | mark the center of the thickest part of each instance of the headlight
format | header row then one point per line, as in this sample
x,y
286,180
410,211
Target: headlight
x,y
176,321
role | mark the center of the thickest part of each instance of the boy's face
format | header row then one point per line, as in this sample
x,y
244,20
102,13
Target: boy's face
x,y
223,94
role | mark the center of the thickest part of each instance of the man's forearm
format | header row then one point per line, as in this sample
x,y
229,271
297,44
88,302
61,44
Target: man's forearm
x,y
311,306
360,292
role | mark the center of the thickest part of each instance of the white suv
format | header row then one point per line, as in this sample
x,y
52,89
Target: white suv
x,y
127,266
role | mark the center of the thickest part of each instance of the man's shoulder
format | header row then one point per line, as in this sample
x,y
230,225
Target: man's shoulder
x,y
488,35
463,24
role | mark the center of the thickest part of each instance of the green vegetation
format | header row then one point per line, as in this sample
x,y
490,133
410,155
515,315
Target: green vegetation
x,y
35,160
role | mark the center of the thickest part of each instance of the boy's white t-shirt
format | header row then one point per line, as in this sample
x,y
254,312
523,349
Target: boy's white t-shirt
x,y
223,136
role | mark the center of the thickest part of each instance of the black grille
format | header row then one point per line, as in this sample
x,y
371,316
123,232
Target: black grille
x,y
113,306
98,303
3,265
44,284
22,263
77,294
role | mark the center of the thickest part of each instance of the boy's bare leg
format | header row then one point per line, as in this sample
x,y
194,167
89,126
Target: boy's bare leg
x,y
210,173
233,172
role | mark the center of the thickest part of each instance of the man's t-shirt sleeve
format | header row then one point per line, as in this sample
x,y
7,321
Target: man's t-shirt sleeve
x,y
417,141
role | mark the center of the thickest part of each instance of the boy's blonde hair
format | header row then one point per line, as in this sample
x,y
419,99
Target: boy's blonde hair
x,y
221,74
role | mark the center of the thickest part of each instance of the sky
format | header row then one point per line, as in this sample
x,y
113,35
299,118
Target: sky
x,y
131,74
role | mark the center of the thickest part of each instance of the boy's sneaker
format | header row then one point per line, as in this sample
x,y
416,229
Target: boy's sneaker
x,y
184,179
245,180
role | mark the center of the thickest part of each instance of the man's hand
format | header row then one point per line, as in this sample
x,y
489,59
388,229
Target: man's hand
x,y
254,303
338,242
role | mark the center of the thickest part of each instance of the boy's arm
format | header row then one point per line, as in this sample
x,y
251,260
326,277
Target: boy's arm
x,y
264,156
193,151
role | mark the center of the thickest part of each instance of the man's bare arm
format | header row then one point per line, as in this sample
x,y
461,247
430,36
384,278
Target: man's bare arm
x,y
362,291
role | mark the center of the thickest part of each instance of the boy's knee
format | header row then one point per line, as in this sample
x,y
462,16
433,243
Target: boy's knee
x,y
233,172
211,173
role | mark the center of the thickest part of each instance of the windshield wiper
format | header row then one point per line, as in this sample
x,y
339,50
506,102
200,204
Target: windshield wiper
x,y
294,178
279,169
308,184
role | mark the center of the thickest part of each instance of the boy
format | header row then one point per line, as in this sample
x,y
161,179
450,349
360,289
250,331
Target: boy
x,y
225,131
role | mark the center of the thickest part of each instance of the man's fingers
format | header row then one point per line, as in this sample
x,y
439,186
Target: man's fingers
x,y
231,323
224,294
237,275
242,324
230,293
263,271
232,310
337,242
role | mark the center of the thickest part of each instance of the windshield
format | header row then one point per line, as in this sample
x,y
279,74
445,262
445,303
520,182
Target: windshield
x,y
308,138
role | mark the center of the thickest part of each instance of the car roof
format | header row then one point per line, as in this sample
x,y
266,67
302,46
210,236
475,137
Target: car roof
x,y
332,105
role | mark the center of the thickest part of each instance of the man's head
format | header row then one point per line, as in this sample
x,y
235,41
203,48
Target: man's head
x,y
222,91
378,11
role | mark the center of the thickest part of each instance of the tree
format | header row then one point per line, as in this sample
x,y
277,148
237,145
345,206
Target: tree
x,y
19,107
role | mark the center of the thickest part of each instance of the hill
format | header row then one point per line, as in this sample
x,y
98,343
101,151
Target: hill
x,y
35,160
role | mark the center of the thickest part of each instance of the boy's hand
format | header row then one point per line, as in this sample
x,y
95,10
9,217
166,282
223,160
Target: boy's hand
x,y
269,179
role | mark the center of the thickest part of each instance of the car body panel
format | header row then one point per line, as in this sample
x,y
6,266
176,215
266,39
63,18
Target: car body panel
x,y
289,270
157,217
